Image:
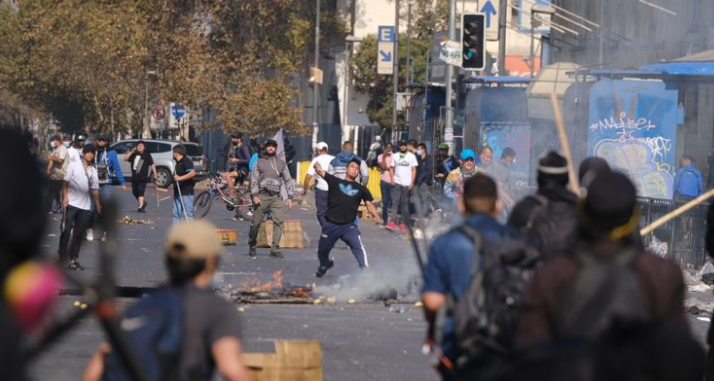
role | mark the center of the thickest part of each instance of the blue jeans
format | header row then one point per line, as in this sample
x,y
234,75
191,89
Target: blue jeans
x,y
178,214
386,188
349,234
321,205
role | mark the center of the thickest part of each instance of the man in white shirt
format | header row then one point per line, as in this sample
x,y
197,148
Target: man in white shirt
x,y
75,152
57,163
321,187
80,188
403,171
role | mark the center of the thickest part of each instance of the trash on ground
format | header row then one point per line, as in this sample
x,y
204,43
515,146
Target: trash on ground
x,y
657,247
699,288
126,220
708,279
696,306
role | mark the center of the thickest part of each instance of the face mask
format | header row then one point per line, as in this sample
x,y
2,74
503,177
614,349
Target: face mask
x,y
53,144
419,153
66,144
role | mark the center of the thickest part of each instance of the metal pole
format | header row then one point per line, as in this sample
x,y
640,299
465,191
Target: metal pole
x,y
408,79
146,107
502,9
395,68
532,65
316,65
449,123
347,83
602,35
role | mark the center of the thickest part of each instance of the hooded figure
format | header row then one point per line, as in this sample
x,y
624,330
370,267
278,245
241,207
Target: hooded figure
x,y
339,164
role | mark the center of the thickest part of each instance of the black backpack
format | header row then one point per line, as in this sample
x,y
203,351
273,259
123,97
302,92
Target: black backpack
x,y
552,226
605,296
153,329
485,317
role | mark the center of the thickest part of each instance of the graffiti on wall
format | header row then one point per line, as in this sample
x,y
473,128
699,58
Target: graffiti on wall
x,y
515,135
633,126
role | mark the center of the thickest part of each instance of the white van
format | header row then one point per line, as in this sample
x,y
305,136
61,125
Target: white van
x,y
160,151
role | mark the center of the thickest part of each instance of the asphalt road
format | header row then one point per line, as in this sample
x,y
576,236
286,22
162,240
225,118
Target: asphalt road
x,y
362,341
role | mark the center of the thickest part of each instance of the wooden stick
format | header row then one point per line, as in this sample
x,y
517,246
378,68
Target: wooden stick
x,y
574,184
676,213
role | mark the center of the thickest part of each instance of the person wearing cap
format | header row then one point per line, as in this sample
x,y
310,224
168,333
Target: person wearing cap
x,y
210,328
688,183
344,198
386,177
75,149
80,189
142,166
321,188
404,171
445,163
268,176
550,212
57,163
238,160
339,164
454,185
183,183
629,288
108,172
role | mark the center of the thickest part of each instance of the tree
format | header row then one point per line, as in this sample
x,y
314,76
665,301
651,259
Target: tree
x,y
428,17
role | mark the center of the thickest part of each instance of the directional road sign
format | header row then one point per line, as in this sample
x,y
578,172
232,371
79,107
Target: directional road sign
x,y
385,50
491,13
178,111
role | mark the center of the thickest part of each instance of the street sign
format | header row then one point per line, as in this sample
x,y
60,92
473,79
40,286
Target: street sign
x,y
450,53
158,113
491,13
524,17
178,111
385,50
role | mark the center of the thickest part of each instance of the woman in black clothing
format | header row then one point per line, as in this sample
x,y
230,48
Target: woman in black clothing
x,y
141,163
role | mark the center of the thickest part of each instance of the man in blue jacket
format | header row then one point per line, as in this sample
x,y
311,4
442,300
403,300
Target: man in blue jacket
x,y
688,181
109,173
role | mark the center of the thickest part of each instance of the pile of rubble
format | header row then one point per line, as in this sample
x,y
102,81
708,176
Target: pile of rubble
x,y
126,220
700,291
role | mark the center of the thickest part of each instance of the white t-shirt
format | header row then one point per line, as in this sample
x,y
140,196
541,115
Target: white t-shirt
x,y
324,161
61,152
74,154
80,184
403,164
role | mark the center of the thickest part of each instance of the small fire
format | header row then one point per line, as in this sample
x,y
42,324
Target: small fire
x,y
254,285
300,293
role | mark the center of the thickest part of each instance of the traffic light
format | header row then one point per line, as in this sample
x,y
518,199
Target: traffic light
x,y
473,41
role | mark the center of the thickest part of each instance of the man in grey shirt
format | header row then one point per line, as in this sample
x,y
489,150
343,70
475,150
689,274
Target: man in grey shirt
x,y
266,179
500,170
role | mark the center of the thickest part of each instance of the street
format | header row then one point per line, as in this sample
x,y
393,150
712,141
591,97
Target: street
x,y
361,341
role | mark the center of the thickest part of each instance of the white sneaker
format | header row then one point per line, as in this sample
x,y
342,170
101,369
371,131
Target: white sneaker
x,y
90,235
418,234
104,237
249,213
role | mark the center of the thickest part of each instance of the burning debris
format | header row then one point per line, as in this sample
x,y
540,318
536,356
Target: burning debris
x,y
253,291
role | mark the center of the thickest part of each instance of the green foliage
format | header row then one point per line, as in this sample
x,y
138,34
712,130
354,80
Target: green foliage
x,y
428,17
87,62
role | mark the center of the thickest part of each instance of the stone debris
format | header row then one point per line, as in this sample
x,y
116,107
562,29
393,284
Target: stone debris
x,y
126,220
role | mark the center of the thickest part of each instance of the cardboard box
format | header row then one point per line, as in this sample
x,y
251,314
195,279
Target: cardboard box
x,y
228,236
292,360
292,237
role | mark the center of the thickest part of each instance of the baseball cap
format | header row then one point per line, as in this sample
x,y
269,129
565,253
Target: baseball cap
x,y
321,146
444,146
403,142
236,135
55,137
101,137
271,142
468,154
196,239
610,205
81,137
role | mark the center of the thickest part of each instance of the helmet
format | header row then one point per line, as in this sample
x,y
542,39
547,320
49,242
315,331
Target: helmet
x,y
444,146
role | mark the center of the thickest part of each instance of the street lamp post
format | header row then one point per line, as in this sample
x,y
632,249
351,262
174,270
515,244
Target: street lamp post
x,y
315,88
147,122
348,40
543,9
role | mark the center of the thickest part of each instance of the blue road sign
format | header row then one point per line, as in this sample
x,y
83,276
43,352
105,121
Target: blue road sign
x,y
385,56
178,111
386,34
489,10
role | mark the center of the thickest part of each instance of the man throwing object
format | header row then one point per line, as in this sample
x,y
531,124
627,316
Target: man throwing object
x,y
343,199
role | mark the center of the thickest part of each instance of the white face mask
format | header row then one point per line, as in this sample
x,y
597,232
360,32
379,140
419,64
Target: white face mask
x,y
66,144
53,144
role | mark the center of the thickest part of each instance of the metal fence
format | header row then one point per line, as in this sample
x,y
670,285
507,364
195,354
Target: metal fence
x,y
684,235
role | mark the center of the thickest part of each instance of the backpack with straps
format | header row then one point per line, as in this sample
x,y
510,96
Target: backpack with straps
x,y
153,329
605,295
485,317
552,226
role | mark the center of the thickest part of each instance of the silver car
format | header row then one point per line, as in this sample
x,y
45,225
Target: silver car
x,y
160,151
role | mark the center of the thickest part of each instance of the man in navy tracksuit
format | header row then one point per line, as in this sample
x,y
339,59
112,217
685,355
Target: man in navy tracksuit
x,y
343,199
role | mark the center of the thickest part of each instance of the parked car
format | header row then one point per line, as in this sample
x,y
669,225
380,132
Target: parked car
x,y
160,150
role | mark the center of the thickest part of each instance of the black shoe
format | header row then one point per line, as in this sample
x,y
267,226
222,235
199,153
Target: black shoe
x,y
74,265
252,253
322,270
142,209
276,254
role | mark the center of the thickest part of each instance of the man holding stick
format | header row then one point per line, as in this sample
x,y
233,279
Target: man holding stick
x,y
343,200
183,188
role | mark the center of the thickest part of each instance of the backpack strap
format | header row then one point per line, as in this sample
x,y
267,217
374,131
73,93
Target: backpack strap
x,y
542,203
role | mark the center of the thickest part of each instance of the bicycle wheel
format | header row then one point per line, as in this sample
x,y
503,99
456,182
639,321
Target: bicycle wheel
x,y
202,204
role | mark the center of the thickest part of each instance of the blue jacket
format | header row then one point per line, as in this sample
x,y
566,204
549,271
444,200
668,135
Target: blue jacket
x,y
688,182
115,172
448,270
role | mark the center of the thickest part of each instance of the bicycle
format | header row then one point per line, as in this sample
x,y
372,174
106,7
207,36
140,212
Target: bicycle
x,y
243,204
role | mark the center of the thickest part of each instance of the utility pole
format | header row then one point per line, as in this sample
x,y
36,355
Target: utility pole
x,y
602,34
449,124
408,79
395,78
502,9
316,86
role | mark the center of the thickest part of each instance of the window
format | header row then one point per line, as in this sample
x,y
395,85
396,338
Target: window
x,y
123,147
